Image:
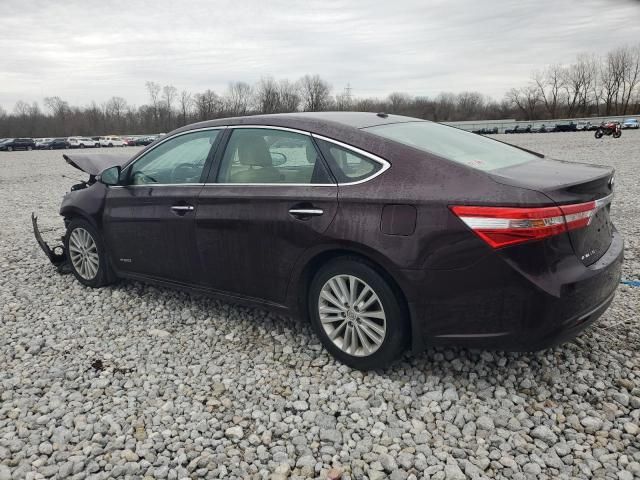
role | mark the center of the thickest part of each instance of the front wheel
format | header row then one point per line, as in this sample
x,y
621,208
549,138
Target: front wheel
x,y
82,145
86,254
9,149
599,133
617,134
358,316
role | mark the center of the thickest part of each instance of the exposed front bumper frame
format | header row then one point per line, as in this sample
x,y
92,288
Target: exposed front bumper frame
x,y
57,255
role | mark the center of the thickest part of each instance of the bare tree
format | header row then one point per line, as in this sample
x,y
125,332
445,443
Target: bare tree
x,y
238,98
630,72
59,108
289,96
267,95
398,102
116,107
470,105
154,91
550,85
444,107
316,93
525,99
186,102
208,104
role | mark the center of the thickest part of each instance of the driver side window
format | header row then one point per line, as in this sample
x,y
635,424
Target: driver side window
x,y
176,161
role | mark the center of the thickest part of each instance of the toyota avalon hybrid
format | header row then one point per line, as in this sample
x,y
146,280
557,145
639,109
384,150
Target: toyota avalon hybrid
x,y
387,233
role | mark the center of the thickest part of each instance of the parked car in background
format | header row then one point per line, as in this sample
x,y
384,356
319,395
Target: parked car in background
x,y
55,144
486,131
631,123
565,127
428,235
112,141
40,141
82,142
130,141
583,126
11,144
519,129
144,141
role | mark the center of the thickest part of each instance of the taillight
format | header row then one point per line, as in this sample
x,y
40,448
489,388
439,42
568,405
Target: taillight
x,y
502,226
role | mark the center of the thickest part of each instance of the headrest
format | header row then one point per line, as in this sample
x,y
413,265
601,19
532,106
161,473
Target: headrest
x,y
253,151
312,154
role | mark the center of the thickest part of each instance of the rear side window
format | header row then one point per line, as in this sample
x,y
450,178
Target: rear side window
x,y
347,165
453,144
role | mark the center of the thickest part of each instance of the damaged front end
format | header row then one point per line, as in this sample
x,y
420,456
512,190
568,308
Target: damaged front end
x,y
85,198
57,255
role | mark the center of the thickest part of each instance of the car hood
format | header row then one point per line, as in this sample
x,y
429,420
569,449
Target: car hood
x,y
95,163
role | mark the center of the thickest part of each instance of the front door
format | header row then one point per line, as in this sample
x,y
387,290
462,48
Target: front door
x,y
149,221
270,199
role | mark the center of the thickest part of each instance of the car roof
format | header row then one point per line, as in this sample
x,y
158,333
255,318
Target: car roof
x,y
313,121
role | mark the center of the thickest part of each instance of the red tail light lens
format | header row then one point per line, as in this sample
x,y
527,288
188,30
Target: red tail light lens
x,y
503,226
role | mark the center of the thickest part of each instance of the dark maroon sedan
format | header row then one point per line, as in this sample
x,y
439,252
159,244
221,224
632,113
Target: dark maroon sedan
x,y
386,232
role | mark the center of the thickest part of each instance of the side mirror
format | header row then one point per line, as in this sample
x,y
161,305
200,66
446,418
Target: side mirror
x,y
110,176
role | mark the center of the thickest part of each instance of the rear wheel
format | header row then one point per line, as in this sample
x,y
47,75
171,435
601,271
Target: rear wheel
x,y
9,149
29,148
81,145
599,133
357,315
86,254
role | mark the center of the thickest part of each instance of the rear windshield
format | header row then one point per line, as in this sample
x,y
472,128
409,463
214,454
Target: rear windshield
x,y
454,144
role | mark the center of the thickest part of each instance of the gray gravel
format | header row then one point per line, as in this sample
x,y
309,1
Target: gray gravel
x,y
133,381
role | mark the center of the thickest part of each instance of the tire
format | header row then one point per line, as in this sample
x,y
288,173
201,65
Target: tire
x,y
9,149
391,315
93,274
617,134
51,148
29,148
81,145
599,133
111,145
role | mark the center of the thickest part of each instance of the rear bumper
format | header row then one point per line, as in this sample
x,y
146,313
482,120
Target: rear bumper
x,y
497,304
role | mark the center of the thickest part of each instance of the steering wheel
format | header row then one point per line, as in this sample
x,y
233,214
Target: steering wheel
x,y
140,178
183,171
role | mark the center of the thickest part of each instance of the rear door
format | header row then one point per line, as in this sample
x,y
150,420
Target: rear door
x,y
149,221
269,198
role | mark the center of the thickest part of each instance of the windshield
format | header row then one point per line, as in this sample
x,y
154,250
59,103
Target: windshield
x,y
454,144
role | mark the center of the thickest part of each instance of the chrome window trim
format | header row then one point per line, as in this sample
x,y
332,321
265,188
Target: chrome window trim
x,y
269,127
156,146
385,164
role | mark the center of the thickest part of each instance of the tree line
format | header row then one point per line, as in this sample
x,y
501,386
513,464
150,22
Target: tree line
x,y
590,86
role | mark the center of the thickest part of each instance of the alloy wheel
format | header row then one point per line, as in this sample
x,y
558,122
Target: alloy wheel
x,y
84,253
352,315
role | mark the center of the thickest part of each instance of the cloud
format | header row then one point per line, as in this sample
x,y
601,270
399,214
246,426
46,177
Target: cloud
x,y
91,50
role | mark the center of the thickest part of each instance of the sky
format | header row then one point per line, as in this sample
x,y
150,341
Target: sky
x,y
91,50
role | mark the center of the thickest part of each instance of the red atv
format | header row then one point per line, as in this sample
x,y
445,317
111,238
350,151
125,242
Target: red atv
x,y
611,128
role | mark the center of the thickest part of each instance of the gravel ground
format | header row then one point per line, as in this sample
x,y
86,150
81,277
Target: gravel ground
x,y
136,381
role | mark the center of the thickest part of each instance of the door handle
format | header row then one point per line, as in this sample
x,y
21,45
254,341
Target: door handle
x,y
306,212
182,209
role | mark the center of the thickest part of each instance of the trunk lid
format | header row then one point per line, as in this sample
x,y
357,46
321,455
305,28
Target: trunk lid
x,y
569,183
